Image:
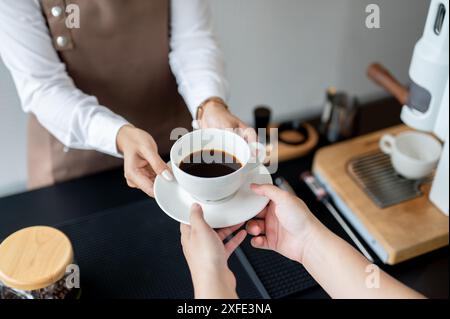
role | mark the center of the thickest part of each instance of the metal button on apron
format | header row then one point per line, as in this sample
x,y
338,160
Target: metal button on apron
x,y
56,11
61,41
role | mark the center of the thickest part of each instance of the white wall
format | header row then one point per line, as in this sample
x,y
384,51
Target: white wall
x,y
286,52
12,137
283,53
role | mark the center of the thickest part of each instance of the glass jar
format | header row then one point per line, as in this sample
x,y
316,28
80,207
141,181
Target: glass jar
x,y
37,263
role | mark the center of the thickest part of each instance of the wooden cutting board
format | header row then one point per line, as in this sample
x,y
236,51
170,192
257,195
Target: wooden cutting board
x,y
398,232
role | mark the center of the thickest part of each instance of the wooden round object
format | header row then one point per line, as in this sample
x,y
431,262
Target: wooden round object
x,y
287,152
34,258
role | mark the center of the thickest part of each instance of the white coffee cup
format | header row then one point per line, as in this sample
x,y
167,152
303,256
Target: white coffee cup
x,y
210,189
414,155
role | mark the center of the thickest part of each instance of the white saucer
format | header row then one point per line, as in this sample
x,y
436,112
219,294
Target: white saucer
x,y
242,206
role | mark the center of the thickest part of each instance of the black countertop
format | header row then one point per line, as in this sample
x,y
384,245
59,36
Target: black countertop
x,y
122,239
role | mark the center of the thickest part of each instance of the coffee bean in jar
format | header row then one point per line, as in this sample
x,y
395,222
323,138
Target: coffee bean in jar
x,y
38,263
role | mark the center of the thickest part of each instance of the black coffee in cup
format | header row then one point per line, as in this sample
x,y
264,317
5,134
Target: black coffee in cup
x,y
210,163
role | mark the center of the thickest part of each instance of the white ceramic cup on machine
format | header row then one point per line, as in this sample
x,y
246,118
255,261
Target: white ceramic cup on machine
x,y
211,189
414,155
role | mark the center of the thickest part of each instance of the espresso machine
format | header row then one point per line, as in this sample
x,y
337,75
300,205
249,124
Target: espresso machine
x,y
397,218
426,100
427,107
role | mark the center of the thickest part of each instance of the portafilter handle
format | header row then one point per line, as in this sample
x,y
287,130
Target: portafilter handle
x,y
381,76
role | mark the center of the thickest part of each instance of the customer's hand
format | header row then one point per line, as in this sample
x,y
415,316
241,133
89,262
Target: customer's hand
x,y
207,256
141,159
216,115
286,225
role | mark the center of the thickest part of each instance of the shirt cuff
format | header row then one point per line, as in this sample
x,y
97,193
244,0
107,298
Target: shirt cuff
x,y
103,130
200,94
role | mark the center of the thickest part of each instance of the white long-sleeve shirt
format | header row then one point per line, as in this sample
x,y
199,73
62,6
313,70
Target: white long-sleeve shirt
x,y
77,119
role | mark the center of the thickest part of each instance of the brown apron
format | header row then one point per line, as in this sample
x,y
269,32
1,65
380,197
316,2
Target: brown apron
x,y
120,54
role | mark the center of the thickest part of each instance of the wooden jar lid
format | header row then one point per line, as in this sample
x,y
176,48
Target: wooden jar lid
x,y
34,258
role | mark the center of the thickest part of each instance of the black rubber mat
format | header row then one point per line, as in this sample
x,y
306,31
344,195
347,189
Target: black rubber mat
x,y
133,252
280,276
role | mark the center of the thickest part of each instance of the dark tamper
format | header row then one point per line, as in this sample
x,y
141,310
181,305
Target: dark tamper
x,y
261,117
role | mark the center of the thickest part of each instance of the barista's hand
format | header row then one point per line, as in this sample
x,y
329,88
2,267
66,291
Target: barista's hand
x,y
286,225
216,115
207,256
141,159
